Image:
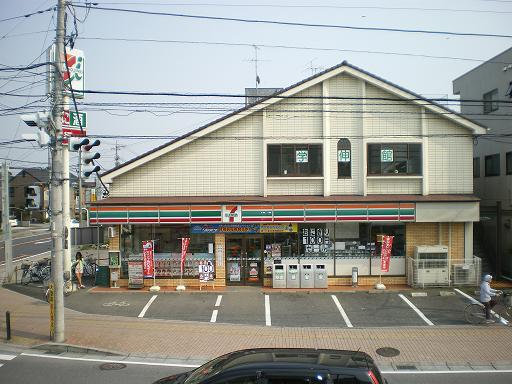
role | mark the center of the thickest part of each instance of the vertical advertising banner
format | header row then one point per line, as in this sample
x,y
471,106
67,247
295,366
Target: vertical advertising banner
x,y
185,242
148,255
385,255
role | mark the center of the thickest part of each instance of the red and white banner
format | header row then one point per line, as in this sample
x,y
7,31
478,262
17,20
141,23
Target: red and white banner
x,y
149,258
385,255
185,242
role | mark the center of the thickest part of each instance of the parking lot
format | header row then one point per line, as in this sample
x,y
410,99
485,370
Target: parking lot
x,y
360,309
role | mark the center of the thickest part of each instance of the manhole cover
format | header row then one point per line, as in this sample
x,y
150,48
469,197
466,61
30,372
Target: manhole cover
x,y
112,366
388,352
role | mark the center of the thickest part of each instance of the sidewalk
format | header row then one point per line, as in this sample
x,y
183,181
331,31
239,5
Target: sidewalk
x,y
480,345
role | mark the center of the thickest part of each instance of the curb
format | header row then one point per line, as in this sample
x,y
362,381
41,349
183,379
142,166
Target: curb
x,y
57,348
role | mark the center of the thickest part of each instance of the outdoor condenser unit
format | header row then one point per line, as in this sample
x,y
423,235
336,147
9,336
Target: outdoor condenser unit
x,y
432,265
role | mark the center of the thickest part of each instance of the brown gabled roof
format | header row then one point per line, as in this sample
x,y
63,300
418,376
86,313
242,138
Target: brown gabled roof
x,y
226,200
283,90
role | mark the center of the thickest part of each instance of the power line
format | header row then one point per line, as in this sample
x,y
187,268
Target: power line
x,y
278,46
29,14
294,24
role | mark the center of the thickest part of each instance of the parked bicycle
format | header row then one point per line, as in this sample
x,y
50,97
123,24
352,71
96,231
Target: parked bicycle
x,y
38,271
68,288
475,312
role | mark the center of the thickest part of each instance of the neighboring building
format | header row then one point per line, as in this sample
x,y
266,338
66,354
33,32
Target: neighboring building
x,y
490,84
315,174
30,187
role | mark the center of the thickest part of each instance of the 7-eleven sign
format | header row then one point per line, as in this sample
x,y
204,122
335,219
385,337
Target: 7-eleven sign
x,y
75,77
231,214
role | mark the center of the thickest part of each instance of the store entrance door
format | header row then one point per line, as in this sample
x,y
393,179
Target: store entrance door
x,y
244,260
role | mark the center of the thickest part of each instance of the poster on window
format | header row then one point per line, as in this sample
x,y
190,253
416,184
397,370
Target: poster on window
x,y
385,255
386,155
148,258
316,240
234,271
301,156
206,270
344,155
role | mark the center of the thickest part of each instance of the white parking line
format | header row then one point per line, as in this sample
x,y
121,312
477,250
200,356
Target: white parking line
x,y
214,316
219,299
7,357
146,307
342,311
268,320
474,301
420,314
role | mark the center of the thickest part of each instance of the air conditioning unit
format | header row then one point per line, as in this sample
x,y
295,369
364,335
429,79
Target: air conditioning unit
x,y
432,265
465,274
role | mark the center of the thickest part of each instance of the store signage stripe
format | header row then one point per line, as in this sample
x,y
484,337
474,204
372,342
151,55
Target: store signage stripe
x,y
403,218
143,220
256,213
324,212
112,221
353,218
108,208
257,207
407,205
256,219
352,212
174,214
132,208
319,206
288,207
113,214
288,213
142,214
353,206
318,218
406,211
195,208
175,208
294,219
383,206
174,220
206,213
206,220
378,212
384,218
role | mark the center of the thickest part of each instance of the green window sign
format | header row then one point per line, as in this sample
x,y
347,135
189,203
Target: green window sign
x,y
344,155
301,156
386,155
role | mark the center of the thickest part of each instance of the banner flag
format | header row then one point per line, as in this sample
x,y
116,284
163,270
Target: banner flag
x,y
385,256
148,255
185,241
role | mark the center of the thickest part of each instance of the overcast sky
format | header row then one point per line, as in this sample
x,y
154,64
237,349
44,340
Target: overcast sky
x,y
192,55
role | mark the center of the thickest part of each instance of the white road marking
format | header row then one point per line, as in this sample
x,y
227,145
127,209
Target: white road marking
x,y
474,301
219,299
268,320
214,316
146,307
445,372
109,361
420,314
28,257
342,311
42,242
7,357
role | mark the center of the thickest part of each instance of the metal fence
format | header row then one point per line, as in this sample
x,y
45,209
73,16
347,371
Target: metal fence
x,y
439,273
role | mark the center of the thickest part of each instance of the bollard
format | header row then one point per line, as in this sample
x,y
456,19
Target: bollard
x,y
8,324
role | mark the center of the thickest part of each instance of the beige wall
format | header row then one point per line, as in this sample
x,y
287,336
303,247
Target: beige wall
x,y
231,161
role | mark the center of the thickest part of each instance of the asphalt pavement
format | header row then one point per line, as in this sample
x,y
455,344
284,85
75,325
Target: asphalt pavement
x,y
25,247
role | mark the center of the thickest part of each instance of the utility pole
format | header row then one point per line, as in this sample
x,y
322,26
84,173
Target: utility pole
x,y
80,187
6,225
65,201
56,206
116,158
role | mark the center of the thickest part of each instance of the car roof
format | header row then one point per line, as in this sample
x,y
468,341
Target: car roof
x,y
330,359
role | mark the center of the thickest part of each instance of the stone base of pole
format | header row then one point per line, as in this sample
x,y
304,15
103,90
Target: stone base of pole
x,y
154,288
380,286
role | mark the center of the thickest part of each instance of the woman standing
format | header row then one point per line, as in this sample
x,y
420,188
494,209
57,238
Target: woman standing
x,y
79,269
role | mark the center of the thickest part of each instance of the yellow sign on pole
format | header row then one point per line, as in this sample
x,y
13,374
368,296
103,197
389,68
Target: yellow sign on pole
x,y
51,300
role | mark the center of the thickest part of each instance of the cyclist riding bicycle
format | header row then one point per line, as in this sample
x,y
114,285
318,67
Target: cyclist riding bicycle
x,y
487,295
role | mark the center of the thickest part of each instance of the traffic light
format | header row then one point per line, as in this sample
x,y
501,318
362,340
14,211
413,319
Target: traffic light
x,y
88,157
75,143
33,197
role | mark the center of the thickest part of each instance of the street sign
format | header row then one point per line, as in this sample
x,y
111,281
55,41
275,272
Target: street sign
x,y
70,119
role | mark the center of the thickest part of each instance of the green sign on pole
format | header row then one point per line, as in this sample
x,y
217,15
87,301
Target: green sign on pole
x,y
73,119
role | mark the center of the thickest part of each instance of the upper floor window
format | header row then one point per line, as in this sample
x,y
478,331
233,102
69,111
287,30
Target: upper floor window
x,y
491,101
476,167
492,165
509,163
394,159
294,160
344,154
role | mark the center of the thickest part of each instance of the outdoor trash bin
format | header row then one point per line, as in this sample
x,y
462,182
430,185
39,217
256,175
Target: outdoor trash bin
x,y
320,276
307,280
292,276
279,276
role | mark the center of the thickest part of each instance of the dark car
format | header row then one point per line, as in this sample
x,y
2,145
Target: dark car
x,y
284,366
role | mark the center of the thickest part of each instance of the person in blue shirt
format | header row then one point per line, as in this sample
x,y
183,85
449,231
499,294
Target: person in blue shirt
x,y
487,295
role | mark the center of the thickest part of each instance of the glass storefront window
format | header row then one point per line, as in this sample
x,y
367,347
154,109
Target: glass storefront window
x,y
167,248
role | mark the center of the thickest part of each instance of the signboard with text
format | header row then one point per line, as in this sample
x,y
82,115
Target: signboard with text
x,y
206,270
385,256
148,257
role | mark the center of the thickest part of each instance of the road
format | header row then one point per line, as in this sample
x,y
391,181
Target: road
x,y
32,366
27,246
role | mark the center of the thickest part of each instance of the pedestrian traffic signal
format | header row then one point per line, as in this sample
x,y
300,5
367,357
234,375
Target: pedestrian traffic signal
x,y
88,157
33,197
